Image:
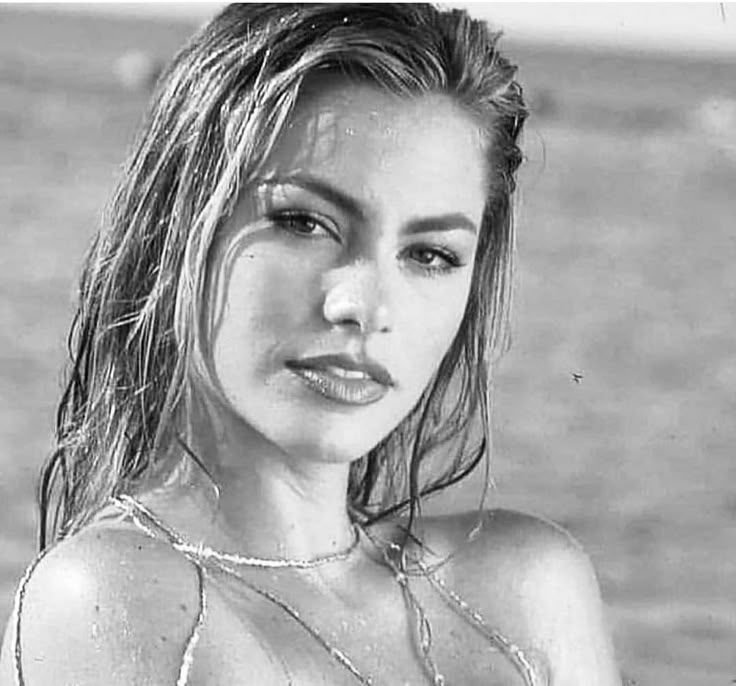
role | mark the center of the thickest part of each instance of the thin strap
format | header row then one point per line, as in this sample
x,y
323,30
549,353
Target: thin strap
x,y
151,526
188,656
148,521
17,611
192,640
514,654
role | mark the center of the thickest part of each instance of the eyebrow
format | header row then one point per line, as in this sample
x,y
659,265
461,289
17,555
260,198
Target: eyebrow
x,y
325,190
444,222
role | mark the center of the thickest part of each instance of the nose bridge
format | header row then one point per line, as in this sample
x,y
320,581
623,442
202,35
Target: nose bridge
x,y
363,274
356,292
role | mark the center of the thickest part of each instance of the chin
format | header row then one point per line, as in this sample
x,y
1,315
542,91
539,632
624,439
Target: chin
x,y
330,447
313,429
331,438
343,435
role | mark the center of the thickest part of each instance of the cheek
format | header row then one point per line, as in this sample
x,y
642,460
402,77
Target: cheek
x,y
258,305
430,325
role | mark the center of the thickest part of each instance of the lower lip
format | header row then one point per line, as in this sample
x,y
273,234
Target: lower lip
x,y
339,389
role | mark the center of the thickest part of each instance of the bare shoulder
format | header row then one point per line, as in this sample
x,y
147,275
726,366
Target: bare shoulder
x,y
108,606
507,537
537,577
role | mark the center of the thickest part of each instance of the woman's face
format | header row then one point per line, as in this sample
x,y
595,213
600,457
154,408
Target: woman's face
x,y
339,282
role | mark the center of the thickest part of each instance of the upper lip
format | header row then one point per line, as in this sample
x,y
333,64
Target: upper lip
x,y
354,363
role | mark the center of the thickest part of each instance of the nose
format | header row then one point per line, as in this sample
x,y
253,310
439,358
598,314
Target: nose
x,y
355,297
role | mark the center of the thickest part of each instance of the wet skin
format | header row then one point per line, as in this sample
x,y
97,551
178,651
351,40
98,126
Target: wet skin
x,y
358,241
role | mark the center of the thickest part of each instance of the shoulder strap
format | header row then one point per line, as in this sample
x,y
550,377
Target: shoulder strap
x,y
145,524
518,658
144,519
188,656
152,526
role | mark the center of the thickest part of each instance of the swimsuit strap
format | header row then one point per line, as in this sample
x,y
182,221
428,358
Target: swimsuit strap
x,y
521,661
154,527
147,522
187,657
512,652
150,528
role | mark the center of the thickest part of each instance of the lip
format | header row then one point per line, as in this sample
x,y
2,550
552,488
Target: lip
x,y
343,378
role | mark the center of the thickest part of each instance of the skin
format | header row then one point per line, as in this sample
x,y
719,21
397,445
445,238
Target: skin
x,y
374,278
294,273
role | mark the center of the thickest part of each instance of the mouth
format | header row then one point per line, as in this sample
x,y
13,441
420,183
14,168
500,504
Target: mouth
x,y
343,379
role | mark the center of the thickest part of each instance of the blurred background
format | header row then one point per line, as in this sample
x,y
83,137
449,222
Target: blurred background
x,y
615,408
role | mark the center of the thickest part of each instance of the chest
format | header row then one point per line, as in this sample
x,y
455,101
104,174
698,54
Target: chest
x,y
301,636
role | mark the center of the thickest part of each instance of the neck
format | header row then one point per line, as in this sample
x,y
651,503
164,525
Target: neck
x,y
260,501
277,511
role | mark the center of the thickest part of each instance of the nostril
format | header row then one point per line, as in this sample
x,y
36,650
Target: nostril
x,y
344,308
382,319
354,297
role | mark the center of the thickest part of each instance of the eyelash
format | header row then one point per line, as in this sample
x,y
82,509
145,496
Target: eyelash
x,y
285,220
451,260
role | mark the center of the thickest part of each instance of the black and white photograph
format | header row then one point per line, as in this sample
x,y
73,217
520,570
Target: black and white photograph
x,y
389,344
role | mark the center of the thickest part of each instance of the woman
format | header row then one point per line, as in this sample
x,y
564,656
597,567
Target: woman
x,y
282,347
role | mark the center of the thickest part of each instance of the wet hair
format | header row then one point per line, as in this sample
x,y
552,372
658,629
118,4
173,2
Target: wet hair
x,y
216,113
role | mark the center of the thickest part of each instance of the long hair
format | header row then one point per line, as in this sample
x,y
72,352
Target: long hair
x,y
217,112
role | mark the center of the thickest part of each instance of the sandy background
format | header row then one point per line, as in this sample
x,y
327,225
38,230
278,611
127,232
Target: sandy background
x,y
628,276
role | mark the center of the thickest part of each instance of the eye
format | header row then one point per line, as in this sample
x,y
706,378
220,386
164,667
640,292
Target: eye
x,y
433,258
303,224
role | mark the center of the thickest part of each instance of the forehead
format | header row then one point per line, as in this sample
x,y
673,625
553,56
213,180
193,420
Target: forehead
x,y
374,143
